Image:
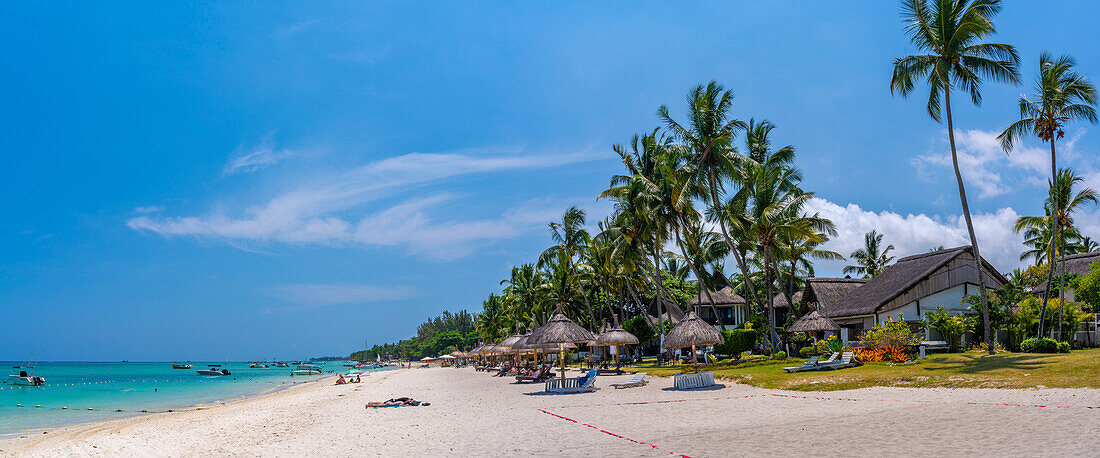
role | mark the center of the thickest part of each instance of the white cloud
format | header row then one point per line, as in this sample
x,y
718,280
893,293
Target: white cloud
x,y
914,234
262,156
148,209
992,172
324,210
324,295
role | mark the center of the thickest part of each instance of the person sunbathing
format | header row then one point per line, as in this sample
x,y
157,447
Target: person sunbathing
x,y
397,402
341,380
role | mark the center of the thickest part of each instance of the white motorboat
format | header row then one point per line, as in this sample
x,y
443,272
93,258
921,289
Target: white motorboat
x,y
257,365
306,369
25,379
215,370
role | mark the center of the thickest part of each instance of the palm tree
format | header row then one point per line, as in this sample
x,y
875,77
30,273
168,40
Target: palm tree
x,y
950,31
570,238
708,141
1087,245
1036,229
1061,95
797,253
872,258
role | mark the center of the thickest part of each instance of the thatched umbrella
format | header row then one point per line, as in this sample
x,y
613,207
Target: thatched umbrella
x,y
692,331
814,322
560,330
614,337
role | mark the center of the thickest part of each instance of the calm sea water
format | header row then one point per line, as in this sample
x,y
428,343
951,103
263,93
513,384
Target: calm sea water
x,y
73,388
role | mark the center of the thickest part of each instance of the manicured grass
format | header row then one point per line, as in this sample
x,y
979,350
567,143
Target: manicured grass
x,y
1078,369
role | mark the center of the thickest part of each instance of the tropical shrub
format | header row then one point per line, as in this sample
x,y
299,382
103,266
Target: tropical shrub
x,y
641,329
871,354
779,355
1087,290
737,341
889,334
1043,345
897,354
1063,347
805,352
831,345
951,327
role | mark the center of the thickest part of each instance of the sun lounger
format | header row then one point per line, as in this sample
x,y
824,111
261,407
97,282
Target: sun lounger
x,y
693,380
637,380
539,376
572,385
809,366
846,360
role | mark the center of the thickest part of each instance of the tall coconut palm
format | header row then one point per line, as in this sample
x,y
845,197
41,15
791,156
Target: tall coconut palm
x,y
708,141
872,258
1061,96
570,238
1061,204
951,32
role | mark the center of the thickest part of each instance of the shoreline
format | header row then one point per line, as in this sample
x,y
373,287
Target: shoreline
x,y
473,413
127,415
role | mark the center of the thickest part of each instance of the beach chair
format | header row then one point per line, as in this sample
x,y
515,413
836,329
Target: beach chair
x,y
809,366
637,380
580,384
693,380
540,375
846,360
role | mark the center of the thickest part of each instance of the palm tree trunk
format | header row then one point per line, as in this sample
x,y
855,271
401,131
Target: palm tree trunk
x,y
773,336
726,235
790,286
702,287
969,224
660,306
1050,246
1061,280
580,284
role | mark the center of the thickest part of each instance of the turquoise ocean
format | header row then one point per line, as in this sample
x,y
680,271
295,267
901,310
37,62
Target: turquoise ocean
x,y
72,388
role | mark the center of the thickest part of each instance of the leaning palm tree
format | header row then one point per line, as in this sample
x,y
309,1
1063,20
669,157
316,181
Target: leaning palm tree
x,y
950,31
1061,95
872,258
797,252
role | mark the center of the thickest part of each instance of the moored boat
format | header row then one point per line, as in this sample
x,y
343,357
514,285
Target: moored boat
x,y
25,379
181,366
215,370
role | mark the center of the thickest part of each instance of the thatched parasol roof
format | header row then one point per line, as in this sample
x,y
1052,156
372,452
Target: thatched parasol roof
x,y
692,330
615,336
813,322
510,340
560,330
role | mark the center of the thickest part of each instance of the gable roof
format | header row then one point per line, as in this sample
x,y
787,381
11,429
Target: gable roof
x,y
829,291
780,300
896,279
1075,264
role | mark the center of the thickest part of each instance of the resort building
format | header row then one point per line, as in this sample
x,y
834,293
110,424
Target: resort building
x,y
1078,264
732,309
906,290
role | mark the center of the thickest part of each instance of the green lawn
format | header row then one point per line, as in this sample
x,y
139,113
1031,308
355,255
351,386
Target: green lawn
x,y
1078,369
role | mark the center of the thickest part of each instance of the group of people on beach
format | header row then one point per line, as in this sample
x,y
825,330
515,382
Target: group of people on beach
x,y
341,380
527,369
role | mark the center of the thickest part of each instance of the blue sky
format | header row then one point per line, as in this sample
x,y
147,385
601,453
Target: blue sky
x,y
278,179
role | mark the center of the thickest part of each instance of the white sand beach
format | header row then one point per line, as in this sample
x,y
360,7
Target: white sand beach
x,y
472,413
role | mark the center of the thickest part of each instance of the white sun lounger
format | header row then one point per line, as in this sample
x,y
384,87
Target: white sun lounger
x,y
580,384
694,380
637,380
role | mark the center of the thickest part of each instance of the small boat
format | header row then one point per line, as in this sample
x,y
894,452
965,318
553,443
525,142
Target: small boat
x,y
181,366
257,365
25,379
280,364
214,371
306,369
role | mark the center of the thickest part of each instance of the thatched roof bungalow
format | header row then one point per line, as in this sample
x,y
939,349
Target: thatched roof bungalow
x,y
732,309
911,287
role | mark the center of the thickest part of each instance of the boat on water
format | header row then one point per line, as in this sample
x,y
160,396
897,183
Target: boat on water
x,y
280,364
257,365
181,366
215,370
306,369
25,379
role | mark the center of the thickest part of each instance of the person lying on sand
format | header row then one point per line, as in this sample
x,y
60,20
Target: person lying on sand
x,y
397,402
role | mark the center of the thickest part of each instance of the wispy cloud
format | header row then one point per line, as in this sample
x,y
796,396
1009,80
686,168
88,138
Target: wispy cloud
x,y
248,160
147,209
307,296
986,167
323,210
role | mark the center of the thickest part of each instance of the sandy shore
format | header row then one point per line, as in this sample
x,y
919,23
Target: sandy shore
x,y
474,414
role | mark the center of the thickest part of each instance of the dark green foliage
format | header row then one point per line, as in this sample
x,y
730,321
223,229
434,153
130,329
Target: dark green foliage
x,y
1063,347
737,341
641,329
1087,289
436,336
805,352
1044,345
